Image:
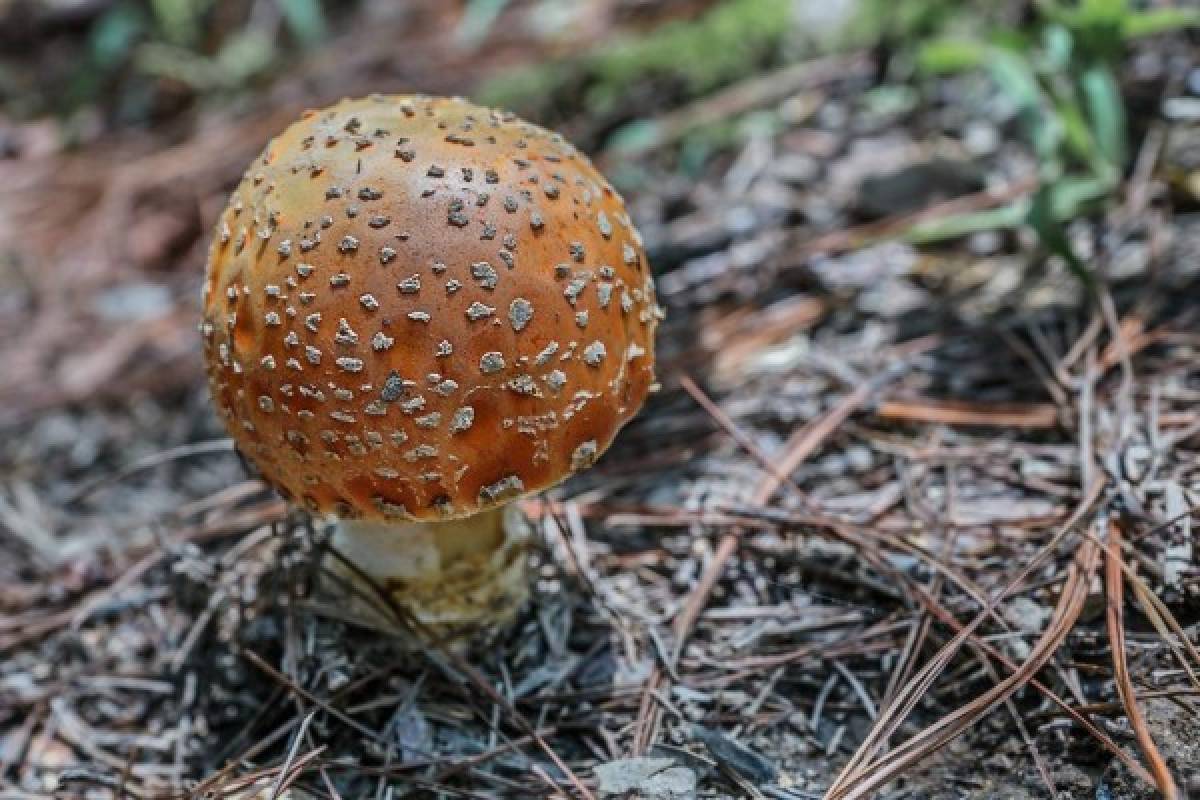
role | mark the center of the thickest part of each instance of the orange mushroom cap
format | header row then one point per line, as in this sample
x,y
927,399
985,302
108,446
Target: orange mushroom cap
x,y
418,308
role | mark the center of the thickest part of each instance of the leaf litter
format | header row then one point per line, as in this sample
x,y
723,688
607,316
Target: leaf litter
x,y
935,547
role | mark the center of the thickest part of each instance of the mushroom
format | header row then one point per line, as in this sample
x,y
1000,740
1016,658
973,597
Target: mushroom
x,y
418,310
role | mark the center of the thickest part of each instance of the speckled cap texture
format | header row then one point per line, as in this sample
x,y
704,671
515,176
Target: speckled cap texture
x,y
418,308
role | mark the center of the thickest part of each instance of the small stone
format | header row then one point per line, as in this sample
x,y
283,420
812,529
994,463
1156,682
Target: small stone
x,y
646,777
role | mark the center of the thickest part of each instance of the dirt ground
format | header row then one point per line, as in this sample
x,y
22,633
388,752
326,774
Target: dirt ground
x,y
875,524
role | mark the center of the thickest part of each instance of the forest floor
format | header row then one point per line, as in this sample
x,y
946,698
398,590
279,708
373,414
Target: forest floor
x,y
876,536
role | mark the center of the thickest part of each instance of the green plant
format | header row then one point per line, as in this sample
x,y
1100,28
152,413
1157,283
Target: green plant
x,y
203,45
1060,77
174,43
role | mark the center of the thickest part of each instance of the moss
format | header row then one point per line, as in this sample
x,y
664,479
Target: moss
x,y
729,41
521,87
904,22
723,44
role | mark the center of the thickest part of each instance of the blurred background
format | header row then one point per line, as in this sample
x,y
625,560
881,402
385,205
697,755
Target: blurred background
x,y
741,131
954,244
123,125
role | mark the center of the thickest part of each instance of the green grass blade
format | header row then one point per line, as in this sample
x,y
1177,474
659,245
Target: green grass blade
x,y
1158,20
1106,111
958,225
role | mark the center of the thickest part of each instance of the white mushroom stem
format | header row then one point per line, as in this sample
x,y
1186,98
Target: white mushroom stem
x,y
457,578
